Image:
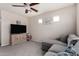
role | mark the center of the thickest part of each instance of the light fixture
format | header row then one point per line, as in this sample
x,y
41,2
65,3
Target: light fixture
x,y
28,7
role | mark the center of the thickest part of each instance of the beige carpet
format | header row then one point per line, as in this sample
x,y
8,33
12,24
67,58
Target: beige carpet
x,y
23,49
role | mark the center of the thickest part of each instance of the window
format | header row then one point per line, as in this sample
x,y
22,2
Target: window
x,y
40,21
56,19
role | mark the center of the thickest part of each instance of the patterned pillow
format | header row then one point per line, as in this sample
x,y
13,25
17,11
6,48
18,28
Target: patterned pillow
x,y
72,37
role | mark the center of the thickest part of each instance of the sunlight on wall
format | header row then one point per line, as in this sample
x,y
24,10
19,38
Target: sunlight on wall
x,y
56,19
40,21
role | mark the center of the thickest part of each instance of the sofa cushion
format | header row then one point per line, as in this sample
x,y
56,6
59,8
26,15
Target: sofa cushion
x,y
45,46
63,39
76,47
56,42
49,53
57,48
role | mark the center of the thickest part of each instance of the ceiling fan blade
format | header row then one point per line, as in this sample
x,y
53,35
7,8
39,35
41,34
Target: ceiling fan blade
x,y
18,5
34,10
26,11
32,4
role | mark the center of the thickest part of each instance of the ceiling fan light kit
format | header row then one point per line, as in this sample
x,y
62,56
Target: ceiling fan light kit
x,y
28,7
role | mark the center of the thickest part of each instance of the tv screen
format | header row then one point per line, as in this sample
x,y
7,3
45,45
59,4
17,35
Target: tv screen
x,y
16,29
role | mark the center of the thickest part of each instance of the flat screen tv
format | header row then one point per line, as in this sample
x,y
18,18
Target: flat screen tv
x,y
16,29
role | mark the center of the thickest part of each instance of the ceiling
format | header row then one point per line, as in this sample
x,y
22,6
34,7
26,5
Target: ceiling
x,y
42,8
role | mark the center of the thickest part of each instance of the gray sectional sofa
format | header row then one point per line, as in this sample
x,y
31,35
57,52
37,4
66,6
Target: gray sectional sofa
x,y
61,49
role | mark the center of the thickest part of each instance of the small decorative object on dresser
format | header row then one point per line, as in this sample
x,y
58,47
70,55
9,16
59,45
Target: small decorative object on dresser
x,y
18,22
28,36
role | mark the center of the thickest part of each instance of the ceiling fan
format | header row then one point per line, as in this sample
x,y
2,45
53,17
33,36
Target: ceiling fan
x,y
27,6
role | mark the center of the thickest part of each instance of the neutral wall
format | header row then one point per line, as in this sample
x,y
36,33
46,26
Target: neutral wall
x,y
8,18
66,25
78,19
0,26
